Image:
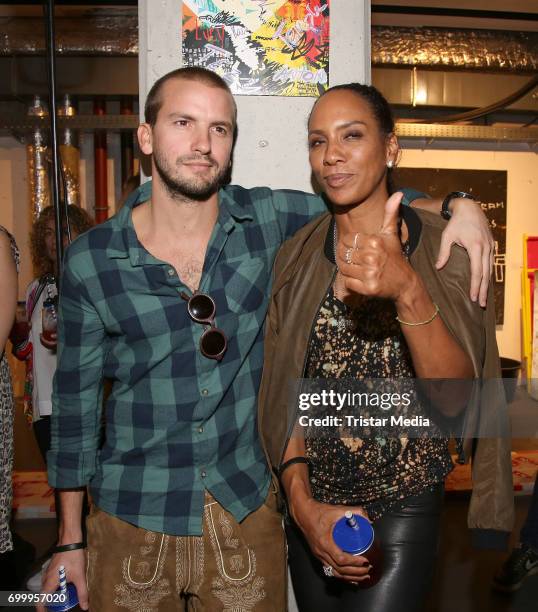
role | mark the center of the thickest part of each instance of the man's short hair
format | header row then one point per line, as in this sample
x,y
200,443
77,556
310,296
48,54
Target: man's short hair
x,y
189,73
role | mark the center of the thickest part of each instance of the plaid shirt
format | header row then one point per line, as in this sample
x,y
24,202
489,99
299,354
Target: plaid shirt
x,y
177,423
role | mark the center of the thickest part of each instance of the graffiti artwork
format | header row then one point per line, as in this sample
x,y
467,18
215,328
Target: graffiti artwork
x,y
260,47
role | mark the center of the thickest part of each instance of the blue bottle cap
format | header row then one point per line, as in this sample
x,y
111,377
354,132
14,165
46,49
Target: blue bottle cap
x,y
71,600
353,534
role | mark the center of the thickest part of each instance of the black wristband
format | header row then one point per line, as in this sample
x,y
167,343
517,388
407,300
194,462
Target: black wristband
x,y
291,461
445,212
67,547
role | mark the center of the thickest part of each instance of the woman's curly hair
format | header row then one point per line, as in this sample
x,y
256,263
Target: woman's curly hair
x,y
79,221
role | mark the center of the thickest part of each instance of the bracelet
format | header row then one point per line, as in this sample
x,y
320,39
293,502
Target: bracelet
x,y
445,211
67,547
290,462
420,322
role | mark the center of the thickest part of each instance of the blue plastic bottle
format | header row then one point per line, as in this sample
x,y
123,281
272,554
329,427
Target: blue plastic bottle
x,y
69,602
355,535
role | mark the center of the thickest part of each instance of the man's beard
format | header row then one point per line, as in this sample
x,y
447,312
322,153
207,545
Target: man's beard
x,y
195,188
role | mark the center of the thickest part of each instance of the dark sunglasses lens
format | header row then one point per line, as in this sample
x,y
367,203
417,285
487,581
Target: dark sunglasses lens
x,y
201,307
213,343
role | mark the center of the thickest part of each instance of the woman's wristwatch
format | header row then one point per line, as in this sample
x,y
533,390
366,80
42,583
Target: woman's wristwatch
x,y
445,212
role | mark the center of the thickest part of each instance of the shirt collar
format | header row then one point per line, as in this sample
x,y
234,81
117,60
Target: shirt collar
x,y
234,208
124,242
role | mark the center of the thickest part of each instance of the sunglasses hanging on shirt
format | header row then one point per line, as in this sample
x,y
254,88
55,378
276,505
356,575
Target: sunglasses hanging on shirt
x,y
201,308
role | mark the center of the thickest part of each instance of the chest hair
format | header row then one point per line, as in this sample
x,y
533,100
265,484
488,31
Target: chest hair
x,y
189,270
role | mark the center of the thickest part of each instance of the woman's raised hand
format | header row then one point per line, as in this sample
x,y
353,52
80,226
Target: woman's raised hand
x,y
373,264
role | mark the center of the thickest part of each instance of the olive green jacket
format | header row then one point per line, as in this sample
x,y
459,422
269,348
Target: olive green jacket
x,y
302,275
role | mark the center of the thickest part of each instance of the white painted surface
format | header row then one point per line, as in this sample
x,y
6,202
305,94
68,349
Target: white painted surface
x,y
159,41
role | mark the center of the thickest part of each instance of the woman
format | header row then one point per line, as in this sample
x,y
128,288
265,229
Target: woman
x,y
40,352
9,262
324,324
36,349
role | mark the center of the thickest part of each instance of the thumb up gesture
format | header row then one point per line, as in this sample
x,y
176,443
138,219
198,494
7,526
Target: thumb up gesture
x,y
373,264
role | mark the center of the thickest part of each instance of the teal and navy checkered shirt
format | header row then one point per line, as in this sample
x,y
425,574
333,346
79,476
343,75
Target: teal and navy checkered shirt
x,y
177,423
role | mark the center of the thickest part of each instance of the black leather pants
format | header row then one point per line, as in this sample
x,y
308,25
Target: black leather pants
x,y
409,540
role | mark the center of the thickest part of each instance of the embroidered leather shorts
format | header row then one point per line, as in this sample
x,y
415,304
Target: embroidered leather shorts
x,y
232,566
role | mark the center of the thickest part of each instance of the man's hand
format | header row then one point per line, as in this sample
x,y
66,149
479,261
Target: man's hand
x,y
316,521
469,228
74,562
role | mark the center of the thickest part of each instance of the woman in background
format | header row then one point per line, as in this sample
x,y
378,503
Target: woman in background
x,y
9,262
38,351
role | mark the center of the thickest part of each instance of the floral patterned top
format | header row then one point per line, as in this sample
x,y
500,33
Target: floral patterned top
x,y
6,433
378,473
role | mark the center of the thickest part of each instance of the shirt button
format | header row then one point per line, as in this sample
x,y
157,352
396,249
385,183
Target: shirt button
x,y
200,429
203,473
205,391
171,272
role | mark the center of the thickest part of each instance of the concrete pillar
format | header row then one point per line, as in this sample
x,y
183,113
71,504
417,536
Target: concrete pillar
x,y
271,147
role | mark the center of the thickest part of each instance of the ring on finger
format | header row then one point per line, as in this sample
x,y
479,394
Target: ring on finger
x,y
328,571
348,255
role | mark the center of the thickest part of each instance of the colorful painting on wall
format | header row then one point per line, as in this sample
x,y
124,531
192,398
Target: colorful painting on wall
x,y
260,47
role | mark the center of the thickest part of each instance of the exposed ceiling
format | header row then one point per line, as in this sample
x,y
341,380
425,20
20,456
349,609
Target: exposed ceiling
x,y
418,89
436,90
31,8
515,15
520,6
432,12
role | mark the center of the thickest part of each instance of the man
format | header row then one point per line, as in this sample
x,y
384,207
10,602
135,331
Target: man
x,y
168,299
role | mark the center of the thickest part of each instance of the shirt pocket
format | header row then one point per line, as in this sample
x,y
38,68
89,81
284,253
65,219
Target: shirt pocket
x,y
245,284
142,553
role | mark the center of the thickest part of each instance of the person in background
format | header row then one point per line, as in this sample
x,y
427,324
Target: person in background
x,y
9,263
523,561
37,350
